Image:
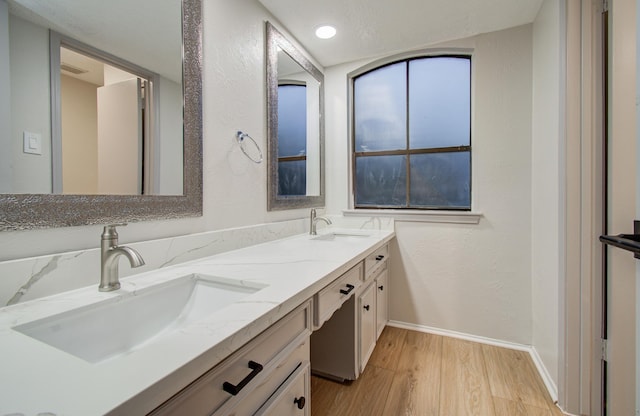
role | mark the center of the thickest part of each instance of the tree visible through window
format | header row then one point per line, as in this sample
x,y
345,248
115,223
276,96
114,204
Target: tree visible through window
x,y
412,134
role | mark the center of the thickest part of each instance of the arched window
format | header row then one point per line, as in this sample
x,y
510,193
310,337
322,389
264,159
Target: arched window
x,y
411,134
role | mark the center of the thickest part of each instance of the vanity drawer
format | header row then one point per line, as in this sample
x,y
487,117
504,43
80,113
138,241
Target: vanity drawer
x,y
247,369
329,299
375,260
293,397
282,374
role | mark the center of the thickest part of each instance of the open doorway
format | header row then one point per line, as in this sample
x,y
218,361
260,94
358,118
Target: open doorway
x,y
102,122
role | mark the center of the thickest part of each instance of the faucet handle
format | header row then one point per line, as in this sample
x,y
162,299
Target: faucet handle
x,y
110,231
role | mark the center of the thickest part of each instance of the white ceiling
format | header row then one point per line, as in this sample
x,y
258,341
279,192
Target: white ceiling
x,y
368,28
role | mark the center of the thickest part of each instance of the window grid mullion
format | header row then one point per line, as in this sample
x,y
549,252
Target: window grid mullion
x,y
291,158
407,157
414,151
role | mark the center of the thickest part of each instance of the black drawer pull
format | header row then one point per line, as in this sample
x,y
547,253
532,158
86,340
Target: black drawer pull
x,y
349,289
231,389
300,402
380,257
366,307
381,287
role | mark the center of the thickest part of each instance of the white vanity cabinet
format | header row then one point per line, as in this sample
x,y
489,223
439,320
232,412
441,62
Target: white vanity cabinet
x,y
253,375
346,333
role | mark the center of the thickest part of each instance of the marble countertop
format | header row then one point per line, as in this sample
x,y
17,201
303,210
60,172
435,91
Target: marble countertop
x,y
40,379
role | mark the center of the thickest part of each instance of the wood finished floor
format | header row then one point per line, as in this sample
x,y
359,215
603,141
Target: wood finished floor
x,y
418,374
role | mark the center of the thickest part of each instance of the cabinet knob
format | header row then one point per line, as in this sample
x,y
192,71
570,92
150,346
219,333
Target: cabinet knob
x,y
381,287
300,402
379,257
366,307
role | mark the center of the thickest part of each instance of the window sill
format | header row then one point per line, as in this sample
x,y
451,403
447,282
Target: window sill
x,y
452,217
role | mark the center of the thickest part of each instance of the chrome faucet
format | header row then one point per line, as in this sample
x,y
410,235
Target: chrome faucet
x,y
314,221
110,254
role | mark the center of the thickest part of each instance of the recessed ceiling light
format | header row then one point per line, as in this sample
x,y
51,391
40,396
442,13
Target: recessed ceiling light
x,y
325,32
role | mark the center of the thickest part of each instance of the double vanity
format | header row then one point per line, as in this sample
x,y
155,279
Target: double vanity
x,y
235,333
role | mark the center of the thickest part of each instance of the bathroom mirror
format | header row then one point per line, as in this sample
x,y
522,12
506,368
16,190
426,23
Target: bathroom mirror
x,y
21,209
295,127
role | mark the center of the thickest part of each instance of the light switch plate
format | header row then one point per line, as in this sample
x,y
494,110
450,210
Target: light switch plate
x,y
32,143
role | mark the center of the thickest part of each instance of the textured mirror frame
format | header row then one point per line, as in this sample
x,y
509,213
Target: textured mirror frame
x,y
28,211
274,41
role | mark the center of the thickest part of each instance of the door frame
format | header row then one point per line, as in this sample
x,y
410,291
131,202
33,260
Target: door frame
x,y
580,349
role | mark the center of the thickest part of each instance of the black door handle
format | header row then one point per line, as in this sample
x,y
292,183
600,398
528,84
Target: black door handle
x,y
380,257
366,307
381,287
231,389
349,289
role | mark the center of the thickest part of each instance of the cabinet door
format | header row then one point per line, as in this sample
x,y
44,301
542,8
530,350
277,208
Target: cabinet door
x,y
382,301
367,304
293,398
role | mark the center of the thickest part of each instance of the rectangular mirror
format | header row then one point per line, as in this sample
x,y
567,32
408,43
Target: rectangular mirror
x,y
295,127
70,157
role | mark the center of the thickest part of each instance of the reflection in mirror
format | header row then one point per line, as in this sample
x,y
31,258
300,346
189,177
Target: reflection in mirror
x,y
99,118
89,117
106,109
298,129
166,175
295,126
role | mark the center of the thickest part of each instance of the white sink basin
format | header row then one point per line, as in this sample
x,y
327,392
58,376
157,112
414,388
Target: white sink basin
x,y
341,236
122,324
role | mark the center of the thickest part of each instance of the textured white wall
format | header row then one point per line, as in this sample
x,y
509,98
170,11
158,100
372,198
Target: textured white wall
x,y
234,84
473,279
545,192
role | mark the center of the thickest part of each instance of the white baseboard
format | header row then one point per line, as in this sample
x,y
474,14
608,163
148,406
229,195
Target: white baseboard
x,y
544,374
542,370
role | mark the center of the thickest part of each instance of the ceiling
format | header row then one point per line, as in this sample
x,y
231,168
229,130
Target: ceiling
x,y
368,28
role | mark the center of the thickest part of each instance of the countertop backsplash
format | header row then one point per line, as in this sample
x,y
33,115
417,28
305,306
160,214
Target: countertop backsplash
x,y
35,277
